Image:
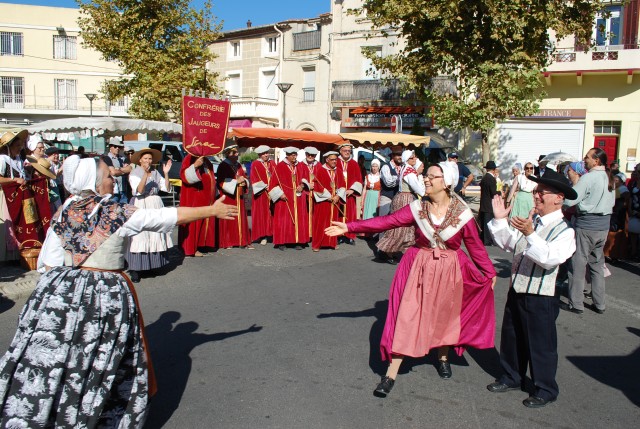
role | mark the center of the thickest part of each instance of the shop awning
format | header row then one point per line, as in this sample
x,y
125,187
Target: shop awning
x,y
386,139
276,137
111,125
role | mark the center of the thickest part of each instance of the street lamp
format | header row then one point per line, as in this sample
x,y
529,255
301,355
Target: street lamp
x,y
91,97
284,87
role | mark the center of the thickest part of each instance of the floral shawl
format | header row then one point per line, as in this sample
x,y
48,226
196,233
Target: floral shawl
x,y
87,223
457,215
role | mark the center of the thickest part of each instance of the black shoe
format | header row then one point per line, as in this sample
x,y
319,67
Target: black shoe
x,y
351,241
384,387
536,402
593,307
497,387
298,247
392,261
444,369
135,276
568,307
281,248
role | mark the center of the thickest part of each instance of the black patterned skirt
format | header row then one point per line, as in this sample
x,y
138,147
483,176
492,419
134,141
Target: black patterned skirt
x,y
77,359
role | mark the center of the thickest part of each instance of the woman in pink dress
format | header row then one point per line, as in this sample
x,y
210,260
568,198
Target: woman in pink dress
x,y
439,296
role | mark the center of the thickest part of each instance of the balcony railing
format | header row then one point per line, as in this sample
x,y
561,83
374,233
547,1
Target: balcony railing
x,y
308,95
625,55
251,107
384,90
306,40
81,104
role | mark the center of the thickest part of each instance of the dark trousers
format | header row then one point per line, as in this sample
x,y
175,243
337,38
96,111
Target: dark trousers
x,y
529,338
485,218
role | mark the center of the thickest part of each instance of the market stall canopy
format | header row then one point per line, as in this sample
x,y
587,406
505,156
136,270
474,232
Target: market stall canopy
x,y
114,126
276,137
386,139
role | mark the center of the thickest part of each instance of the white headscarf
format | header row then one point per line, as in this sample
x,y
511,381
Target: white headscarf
x,y
450,173
33,141
406,155
79,174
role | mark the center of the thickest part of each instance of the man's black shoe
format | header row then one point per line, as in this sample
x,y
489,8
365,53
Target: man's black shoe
x,y
281,248
384,387
596,309
444,369
135,276
497,387
536,402
568,307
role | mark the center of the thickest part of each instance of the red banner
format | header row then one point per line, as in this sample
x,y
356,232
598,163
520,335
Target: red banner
x,y
28,206
204,125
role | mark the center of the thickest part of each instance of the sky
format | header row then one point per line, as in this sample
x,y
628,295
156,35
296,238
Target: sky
x,y
235,13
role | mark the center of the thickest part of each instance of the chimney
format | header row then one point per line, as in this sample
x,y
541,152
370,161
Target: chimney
x,y
249,24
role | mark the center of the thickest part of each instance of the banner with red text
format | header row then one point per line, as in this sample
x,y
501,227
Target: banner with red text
x,y
205,122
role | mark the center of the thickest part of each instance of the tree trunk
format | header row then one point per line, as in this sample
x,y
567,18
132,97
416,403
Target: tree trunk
x,y
486,153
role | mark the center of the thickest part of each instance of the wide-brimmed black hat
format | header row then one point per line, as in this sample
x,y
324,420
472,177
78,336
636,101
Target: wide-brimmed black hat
x,y
490,165
556,181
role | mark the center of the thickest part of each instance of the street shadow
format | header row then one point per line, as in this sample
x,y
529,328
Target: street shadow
x,y
11,271
5,303
176,258
629,267
170,347
379,311
503,267
614,371
488,360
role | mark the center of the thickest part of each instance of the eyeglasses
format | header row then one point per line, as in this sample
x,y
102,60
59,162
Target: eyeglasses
x,y
413,157
542,192
431,177
528,168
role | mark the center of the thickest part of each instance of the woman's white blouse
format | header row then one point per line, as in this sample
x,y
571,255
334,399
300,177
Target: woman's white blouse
x,y
526,184
415,182
161,220
134,181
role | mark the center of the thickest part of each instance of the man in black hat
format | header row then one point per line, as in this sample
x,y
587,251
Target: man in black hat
x,y
488,189
542,166
539,244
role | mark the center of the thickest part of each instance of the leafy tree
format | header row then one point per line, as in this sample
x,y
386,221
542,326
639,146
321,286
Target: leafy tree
x,y
161,46
493,50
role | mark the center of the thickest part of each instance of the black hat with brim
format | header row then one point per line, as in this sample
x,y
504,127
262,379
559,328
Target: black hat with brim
x,y
556,181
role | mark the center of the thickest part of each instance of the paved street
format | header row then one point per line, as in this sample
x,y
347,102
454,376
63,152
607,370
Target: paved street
x,y
271,339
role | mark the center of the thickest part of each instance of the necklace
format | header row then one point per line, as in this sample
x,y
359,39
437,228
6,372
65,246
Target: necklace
x,y
439,211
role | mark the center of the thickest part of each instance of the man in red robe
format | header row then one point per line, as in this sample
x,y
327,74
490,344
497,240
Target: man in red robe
x,y
197,190
261,219
328,189
350,170
290,217
310,162
232,184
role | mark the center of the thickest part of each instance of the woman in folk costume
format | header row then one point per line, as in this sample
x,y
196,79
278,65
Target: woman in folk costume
x,y
148,250
11,171
439,296
78,358
521,190
372,188
198,189
233,183
411,186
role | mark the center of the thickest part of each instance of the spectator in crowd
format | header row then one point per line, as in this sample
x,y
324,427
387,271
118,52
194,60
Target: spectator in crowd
x,y
488,190
56,185
542,166
595,200
81,152
615,247
117,168
521,194
411,186
148,250
389,174
635,176
35,146
372,191
615,170
529,335
465,177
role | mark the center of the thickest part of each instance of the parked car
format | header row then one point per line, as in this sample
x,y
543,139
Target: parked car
x,y
368,156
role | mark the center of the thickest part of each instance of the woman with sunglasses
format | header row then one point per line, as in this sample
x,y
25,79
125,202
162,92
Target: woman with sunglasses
x,y
521,193
440,296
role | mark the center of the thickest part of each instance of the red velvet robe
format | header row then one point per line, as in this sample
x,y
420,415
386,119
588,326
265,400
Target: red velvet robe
x,y
233,232
325,211
261,218
308,194
290,218
353,179
198,189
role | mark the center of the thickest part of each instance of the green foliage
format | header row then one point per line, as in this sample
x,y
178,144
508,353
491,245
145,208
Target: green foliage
x,y
493,50
248,157
161,46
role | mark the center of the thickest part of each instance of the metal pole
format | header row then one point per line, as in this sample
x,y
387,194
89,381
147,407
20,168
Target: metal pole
x,y
284,110
91,115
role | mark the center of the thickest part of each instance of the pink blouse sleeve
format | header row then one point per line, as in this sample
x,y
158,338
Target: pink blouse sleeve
x,y
476,249
402,217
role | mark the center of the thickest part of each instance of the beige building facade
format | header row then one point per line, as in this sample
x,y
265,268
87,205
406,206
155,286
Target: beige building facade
x,y
45,71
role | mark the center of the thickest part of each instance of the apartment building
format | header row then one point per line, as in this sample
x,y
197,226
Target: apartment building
x,y
45,72
255,60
